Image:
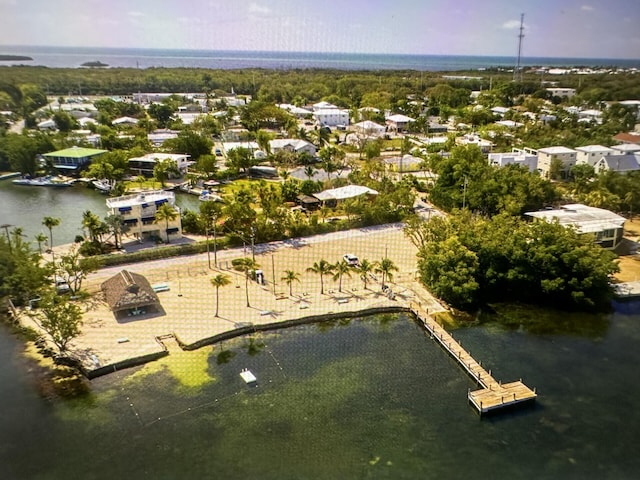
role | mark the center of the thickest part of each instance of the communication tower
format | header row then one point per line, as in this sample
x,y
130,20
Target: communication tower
x,y
517,72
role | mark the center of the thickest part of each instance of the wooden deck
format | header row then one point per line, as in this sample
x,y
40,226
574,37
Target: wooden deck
x,y
493,395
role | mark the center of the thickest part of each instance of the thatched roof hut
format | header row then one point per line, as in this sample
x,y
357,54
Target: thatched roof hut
x,y
127,291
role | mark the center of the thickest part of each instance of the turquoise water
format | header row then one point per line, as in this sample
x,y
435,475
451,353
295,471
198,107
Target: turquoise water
x,y
365,398
68,57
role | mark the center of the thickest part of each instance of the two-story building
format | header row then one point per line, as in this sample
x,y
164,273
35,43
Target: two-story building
x,y
517,157
73,159
567,157
138,213
144,165
590,154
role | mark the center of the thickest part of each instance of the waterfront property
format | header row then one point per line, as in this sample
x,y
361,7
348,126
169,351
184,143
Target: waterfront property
x,y
605,225
144,165
72,159
138,212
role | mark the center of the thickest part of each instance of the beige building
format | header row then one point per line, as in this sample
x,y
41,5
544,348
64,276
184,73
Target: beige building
x,y
566,155
138,212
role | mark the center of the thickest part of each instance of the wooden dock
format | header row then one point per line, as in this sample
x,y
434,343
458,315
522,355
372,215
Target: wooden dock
x,y
493,395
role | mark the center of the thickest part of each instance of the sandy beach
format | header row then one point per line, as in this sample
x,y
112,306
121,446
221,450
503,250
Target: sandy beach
x,y
188,307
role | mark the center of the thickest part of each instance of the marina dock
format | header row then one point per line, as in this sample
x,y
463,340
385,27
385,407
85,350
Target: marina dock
x,y
493,395
627,290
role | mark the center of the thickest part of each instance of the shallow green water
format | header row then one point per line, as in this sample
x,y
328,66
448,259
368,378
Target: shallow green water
x,y
370,398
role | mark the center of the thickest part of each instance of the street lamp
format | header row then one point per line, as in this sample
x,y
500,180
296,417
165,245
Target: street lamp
x,y
253,237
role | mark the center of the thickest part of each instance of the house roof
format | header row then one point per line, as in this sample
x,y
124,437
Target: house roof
x,y
585,219
594,148
621,163
128,290
556,150
75,152
368,125
399,118
294,143
343,193
624,137
123,120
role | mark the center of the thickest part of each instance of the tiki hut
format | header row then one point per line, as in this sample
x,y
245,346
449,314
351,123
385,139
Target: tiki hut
x,y
130,294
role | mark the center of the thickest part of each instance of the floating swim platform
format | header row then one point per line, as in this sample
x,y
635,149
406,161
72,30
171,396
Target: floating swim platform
x,y
247,376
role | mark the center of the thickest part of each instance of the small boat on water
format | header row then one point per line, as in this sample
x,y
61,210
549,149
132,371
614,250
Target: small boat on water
x,y
102,185
207,196
48,181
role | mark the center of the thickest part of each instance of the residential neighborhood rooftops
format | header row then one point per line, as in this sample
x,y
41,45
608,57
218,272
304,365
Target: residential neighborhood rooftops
x,y
399,118
343,193
593,148
625,137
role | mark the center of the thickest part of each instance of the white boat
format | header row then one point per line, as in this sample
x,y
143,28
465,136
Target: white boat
x,y
48,181
207,196
247,376
102,185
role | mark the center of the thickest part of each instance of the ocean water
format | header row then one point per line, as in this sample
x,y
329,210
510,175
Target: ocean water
x,y
371,398
67,57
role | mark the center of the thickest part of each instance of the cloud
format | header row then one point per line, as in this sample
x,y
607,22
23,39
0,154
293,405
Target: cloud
x,y
587,8
511,24
259,9
135,14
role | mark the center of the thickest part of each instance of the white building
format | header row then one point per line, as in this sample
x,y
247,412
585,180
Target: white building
x,y
323,106
590,154
500,110
398,122
138,213
144,165
566,155
331,117
296,111
158,137
562,92
605,225
474,139
369,128
125,121
333,196
516,157
294,145
626,148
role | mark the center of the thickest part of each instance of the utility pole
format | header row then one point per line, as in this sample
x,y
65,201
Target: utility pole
x,y
464,193
517,72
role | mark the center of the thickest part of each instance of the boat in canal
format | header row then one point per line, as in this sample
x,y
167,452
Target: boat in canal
x,y
48,181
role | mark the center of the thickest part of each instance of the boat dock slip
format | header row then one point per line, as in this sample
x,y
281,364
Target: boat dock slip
x,y
247,376
494,395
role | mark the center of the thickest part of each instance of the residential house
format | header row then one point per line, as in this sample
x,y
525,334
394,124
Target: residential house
x,y
499,111
624,137
369,128
626,148
566,155
144,165
294,145
474,139
509,123
331,116
298,112
562,92
398,122
605,225
125,121
618,163
404,163
130,294
515,157
590,116
590,154
138,212
73,159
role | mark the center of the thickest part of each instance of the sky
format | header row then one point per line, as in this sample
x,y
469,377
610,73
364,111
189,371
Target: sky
x,y
553,28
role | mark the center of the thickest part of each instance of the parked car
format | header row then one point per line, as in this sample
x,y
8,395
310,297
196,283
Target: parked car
x,y
351,259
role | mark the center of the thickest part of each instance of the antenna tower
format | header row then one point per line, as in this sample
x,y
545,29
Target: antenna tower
x,y
517,72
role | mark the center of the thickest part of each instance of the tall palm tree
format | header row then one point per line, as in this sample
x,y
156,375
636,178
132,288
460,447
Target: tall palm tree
x,y
386,267
364,268
91,223
166,213
114,223
220,280
245,265
289,277
209,214
340,269
40,238
51,222
322,268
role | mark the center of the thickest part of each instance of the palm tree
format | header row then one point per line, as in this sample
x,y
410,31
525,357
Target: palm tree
x,y
322,268
166,213
210,213
245,265
114,223
341,268
91,223
364,268
386,267
220,280
309,171
141,179
50,222
289,277
40,238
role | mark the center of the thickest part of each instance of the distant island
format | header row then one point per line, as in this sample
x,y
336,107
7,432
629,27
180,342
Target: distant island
x,y
97,63
9,58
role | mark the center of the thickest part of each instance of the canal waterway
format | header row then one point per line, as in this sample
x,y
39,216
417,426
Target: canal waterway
x,y
361,398
26,206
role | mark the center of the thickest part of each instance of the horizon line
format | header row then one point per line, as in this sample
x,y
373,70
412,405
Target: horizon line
x,y
317,52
